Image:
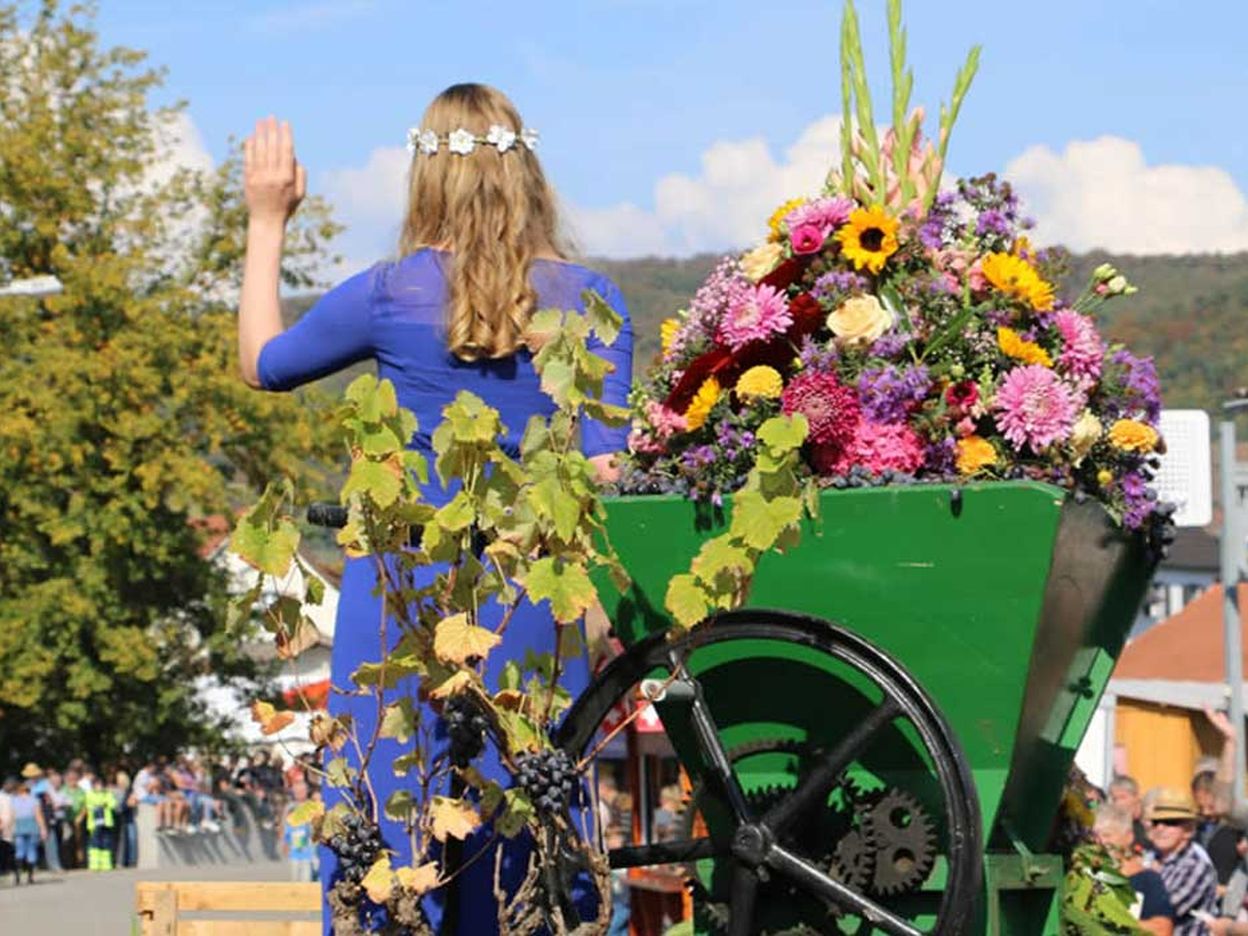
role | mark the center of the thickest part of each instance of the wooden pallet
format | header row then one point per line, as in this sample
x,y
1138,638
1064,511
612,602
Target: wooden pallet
x,y
161,906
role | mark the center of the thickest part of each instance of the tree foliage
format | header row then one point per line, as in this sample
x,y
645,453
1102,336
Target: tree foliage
x,y
123,422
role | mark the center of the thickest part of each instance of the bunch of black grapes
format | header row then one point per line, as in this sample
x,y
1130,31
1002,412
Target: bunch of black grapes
x,y
356,846
465,726
548,778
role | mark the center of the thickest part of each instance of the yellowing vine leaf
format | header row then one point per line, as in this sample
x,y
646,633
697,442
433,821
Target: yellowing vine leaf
x,y
305,812
419,880
270,720
379,882
452,818
565,584
457,640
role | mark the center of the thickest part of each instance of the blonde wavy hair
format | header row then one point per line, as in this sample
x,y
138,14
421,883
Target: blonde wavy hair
x,y
494,211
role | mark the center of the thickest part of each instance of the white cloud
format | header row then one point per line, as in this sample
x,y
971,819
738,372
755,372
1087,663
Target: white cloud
x,y
370,202
1102,194
724,207
1098,193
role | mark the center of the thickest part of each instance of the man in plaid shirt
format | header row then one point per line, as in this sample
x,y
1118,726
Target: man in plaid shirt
x,y
1185,868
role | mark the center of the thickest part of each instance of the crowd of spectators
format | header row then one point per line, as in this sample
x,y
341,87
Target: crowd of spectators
x,y
62,818
1182,849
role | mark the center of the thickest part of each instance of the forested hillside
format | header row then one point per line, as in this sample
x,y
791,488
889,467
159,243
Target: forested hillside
x,y
1191,313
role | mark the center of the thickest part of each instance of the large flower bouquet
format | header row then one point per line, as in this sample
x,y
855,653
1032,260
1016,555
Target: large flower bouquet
x,y
917,330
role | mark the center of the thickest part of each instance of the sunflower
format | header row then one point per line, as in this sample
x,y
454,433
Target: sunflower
x,y
778,216
1015,277
869,238
1012,344
702,404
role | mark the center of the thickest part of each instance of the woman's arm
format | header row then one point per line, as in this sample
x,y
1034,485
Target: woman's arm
x,y
273,184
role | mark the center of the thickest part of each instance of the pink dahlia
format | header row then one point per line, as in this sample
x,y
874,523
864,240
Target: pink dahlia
x,y
1034,407
1083,351
878,447
830,408
823,213
754,314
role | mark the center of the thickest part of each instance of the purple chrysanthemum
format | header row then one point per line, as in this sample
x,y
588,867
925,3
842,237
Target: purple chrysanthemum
x,y
1034,407
889,345
1141,392
832,288
816,357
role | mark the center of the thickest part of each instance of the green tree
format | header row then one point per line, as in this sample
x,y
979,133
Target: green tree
x,y
123,421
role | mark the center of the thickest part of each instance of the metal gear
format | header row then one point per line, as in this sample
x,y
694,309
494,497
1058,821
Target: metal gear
x,y
904,841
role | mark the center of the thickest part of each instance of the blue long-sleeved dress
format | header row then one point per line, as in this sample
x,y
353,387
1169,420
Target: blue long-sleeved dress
x,y
394,314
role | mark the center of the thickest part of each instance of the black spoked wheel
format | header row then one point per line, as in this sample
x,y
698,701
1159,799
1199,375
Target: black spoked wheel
x,y
830,794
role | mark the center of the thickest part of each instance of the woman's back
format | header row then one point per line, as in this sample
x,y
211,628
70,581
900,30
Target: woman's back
x,y
394,312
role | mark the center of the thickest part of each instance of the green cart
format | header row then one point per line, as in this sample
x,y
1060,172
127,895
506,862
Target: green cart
x,y
879,740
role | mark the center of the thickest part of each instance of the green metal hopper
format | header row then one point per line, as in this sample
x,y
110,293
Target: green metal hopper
x,y
1005,606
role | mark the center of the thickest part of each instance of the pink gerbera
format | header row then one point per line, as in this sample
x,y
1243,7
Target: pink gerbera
x,y
1083,352
831,409
754,314
881,447
823,213
1034,407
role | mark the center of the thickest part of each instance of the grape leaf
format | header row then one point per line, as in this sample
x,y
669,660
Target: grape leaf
x,y
399,721
419,880
457,640
565,584
452,818
305,812
270,720
686,599
379,881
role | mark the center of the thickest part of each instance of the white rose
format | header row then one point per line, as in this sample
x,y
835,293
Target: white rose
x,y
860,320
760,261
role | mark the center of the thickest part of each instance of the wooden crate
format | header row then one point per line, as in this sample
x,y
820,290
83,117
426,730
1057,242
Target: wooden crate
x,y
161,906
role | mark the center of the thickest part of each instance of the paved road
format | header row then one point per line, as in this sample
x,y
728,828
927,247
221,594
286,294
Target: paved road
x,y
82,903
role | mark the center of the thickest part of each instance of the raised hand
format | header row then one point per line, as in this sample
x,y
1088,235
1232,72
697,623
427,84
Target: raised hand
x,y
273,180
1221,721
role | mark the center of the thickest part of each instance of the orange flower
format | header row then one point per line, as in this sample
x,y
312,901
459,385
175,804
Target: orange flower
x,y
974,454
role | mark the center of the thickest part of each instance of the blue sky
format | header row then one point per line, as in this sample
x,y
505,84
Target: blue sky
x,y
628,93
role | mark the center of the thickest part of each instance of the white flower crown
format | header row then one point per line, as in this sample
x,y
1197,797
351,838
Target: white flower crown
x,y
463,141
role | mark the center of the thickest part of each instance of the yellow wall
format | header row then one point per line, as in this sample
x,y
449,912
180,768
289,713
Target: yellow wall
x,y
1162,743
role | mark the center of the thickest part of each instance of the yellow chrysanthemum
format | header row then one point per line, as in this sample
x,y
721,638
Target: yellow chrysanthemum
x,y
760,382
1104,477
1015,277
1013,345
702,404
778,216
1129,435
667,332
974,454
869,238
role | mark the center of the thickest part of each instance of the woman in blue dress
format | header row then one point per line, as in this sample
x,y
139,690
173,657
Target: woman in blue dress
x,y
479,252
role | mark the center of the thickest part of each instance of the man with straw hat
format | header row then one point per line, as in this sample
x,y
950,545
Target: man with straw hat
x,y
1185,868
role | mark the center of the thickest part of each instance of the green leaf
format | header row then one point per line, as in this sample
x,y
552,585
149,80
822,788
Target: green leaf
x,y
551,501
784,433
602,318
399,806
565,584
241,609
759,521
340,773
457,640
686,600
511,676
399,721
269,547
457,514
381,481
571,644
608,414
519,810
521,733
313,590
